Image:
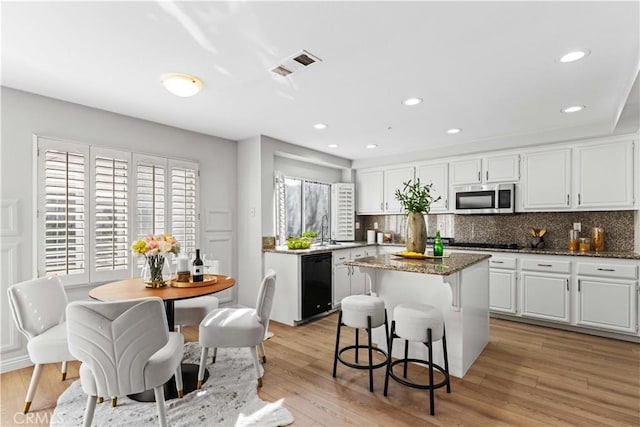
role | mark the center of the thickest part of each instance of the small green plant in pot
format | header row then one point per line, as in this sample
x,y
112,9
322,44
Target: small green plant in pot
x,y
416,200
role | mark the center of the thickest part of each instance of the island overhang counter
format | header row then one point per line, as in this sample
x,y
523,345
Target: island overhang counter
x,y
457,285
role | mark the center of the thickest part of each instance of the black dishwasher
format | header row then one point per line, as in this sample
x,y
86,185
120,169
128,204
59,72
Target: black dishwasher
x,y
316,284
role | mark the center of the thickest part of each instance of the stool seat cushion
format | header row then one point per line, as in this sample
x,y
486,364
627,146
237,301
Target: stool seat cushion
x,y
413,320
356,308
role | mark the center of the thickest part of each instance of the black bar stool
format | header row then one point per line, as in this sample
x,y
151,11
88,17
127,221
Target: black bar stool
x,y
361,312
424,324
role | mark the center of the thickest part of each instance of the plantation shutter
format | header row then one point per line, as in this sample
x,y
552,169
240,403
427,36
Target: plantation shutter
x,y
151,196
62,210
184,211
110,213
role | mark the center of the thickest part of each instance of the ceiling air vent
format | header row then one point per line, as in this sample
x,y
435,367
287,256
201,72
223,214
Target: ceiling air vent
x,y
295,62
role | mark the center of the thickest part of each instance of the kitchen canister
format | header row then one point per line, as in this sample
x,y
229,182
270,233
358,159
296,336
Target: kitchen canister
x,y
573,240
380,237
597,239
371,236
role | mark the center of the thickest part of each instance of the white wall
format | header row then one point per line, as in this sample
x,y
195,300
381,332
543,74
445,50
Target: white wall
x,y
299,169
24,115
256,165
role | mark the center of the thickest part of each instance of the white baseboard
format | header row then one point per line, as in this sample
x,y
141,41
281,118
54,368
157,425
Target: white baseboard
x,y
8,365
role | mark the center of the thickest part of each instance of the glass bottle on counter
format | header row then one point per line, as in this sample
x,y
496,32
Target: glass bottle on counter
x,y
573,240
597,238
438,247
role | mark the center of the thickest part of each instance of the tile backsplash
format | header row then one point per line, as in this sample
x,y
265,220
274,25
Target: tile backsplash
x,y
513,228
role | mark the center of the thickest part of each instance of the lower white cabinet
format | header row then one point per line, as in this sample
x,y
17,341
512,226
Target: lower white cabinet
x,y
607,304
346,279
546,296
503,285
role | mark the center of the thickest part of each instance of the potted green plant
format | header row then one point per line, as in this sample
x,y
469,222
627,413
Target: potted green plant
x,y
416,200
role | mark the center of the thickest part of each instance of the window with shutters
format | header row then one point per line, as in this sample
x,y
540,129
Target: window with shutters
x,y
94,202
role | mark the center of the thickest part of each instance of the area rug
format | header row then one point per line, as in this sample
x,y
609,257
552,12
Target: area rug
x,y
228,398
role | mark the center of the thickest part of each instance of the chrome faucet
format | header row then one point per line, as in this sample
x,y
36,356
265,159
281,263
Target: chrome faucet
x,y
324,223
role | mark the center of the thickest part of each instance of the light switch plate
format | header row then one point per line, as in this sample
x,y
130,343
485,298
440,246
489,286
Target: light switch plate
x,y
577,226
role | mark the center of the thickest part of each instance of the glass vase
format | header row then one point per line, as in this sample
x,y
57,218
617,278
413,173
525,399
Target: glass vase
x,y
156,272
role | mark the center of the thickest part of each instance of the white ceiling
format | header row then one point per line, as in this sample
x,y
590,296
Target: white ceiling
x,y
490,68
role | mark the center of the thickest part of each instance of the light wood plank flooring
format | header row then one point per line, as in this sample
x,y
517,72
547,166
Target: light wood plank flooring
x,y
526,376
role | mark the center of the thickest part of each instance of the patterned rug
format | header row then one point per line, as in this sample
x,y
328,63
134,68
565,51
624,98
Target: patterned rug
x,y
228,398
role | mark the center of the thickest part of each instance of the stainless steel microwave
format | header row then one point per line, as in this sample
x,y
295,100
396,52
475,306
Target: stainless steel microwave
x,y
484,199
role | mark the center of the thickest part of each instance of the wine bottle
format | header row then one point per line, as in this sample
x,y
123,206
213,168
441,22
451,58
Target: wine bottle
x,y
198,268
438,247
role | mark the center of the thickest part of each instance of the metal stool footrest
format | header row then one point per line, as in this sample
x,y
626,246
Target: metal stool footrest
x,y
415,385
358,366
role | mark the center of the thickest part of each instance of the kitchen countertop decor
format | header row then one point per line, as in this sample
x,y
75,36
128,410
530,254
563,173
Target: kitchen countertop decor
x,y
442,267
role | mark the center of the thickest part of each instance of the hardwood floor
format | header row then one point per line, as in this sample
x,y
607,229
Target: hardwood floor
x,y
526,376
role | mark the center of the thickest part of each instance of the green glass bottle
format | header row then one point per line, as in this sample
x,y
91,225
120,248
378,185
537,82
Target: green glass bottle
x,y
438,247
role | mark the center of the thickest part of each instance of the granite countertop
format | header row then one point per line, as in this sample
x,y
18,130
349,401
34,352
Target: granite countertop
x,y
318,249
604,254
442,267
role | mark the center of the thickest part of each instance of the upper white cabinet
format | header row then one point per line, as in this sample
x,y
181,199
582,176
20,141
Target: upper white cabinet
x,y
604,175
504,168
600,177
547,180
369,191
438,175
376,189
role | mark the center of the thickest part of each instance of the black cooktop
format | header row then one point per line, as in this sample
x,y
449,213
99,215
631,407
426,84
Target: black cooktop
x,y
449,241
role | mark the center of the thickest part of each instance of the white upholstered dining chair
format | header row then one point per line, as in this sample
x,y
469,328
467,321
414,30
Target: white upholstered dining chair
x,y
125,348
38,309
238,327
191,311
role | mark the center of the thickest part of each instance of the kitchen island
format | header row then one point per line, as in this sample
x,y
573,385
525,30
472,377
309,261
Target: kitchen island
x,y
457,285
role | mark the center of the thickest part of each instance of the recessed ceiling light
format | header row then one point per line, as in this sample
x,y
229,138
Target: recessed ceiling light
x,y
573,109
320,126
412,101
454,130
574,56
332,145
181,84
370,146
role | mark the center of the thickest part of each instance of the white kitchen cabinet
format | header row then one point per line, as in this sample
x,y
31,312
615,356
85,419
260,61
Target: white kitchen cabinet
x,y
370,192
376,189
346,279
394,179
502,285
503,168
546,296
438,175
607,304
606,296
546,180
605,175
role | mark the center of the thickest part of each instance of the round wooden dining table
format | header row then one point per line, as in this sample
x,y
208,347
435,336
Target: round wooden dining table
x,y
135,288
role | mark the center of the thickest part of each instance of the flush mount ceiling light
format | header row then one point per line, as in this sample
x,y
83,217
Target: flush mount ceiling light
x,y
320,126
181,84
370,146
574,55
454,130
332,145
409,102
573,109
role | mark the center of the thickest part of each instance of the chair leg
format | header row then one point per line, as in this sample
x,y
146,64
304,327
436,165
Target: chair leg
x,y
33,384
100,399
256,364
391,337
63,371
357,344
162,411
215,353
89,411
179,329
263,353
406,356
203,361
114,402
370,354
431,390
446,359
335,354
178,377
